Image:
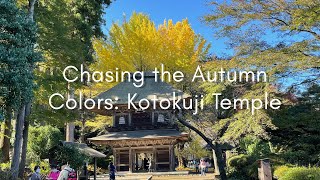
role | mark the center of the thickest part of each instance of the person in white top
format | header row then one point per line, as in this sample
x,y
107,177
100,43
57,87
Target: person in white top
x,y
203,166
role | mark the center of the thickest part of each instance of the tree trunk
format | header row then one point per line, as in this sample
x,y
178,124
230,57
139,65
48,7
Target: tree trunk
x,y
31,8
25,141
180,158
219,164
82,138
17,143
20,145
3,127
70,132
70,125
214,146
215,161
7,135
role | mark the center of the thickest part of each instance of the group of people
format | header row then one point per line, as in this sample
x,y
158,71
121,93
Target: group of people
x,y
66,173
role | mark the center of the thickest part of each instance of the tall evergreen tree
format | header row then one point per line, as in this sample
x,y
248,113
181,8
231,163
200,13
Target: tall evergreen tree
x,y
18,58
65,32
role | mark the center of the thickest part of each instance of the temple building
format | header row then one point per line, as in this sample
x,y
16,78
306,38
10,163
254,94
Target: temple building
x,y
141,138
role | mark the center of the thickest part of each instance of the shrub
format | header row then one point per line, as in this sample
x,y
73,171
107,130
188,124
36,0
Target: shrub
x,y
5,175
297,173
243,167
5,166
296,157
98,170
103,162
41,140
254,146
280,171
183,169
71,155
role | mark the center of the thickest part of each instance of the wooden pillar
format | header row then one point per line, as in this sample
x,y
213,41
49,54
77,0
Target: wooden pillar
x,y
171,158
115,159
86,170
130,120
134,161
95,168
154,152
153,118
130,160
114,119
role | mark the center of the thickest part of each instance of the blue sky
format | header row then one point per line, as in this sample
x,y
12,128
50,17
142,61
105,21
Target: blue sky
x,y
169,9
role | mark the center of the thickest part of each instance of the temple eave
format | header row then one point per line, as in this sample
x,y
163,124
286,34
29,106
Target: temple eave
x,y
141,138
140,142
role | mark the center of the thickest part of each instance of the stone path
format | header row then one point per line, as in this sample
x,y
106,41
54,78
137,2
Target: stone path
x,y
185,177
160,177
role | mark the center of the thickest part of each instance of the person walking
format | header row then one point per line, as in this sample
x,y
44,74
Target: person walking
x,y
150,168
197,164
67,173
36,175
54,173
112,171
207,165
203,166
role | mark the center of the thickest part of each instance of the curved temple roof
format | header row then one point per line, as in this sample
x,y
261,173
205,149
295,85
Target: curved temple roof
x,y
142,134
84,148
150,89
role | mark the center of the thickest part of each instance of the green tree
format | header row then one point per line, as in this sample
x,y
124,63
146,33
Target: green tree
x,y
66,29
246,23
71,155
65,32
18,57
41,140
292,25
194,149
298,128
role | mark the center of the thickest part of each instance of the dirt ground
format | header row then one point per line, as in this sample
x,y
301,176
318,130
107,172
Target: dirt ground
x,y
165,177
185,177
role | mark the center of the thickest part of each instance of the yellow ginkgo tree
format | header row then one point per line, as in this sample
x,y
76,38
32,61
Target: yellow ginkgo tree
x,y
138,44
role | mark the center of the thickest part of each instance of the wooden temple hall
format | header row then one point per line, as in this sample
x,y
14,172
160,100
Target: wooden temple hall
x,y
141,139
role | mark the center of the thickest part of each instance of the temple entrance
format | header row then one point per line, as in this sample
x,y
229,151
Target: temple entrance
x,y
144,161
143,150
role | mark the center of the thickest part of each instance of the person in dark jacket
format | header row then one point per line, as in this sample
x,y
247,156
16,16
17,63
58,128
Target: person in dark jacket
x,y
112,171
36,175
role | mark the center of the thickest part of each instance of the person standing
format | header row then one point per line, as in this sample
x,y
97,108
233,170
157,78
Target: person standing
x,y
66,173
203,166
150,168
54,173
207,165
112,171
36,175
197,164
